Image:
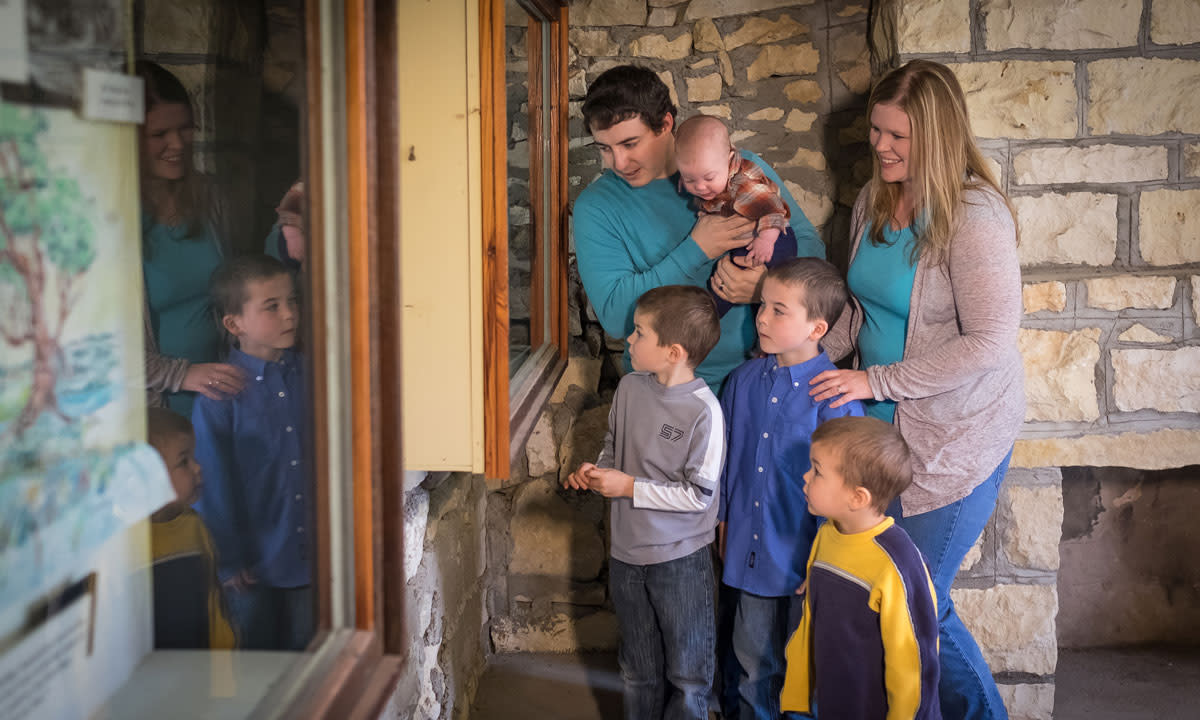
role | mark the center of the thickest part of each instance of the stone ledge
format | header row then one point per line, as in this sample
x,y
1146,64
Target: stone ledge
x,y
1028,701
1151,450
1013,624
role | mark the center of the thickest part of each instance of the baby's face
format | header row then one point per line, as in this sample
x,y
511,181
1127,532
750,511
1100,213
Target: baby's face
x,y
704,170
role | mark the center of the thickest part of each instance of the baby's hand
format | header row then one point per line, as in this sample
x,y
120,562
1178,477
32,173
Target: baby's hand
x,y
762,247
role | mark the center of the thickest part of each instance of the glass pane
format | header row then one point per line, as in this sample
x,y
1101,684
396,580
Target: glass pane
x,y
177,572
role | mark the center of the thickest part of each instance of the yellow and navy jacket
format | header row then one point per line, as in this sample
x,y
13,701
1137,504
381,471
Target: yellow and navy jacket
x,y
867,645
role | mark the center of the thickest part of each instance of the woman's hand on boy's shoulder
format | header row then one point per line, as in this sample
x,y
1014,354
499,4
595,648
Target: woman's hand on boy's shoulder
x,y
215,381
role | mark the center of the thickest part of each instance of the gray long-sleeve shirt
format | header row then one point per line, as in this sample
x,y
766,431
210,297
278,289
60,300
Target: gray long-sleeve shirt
x,y
672,441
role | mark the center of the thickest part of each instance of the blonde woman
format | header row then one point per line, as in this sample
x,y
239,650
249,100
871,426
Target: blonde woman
x,y
934,319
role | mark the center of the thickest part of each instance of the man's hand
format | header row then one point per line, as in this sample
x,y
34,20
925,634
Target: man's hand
x,y
718,235
737,281
609,482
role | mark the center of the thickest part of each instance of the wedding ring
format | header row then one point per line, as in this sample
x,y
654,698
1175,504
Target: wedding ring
x,y
722,286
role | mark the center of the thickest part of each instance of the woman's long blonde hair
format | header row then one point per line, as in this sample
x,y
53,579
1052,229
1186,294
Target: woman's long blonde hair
x,y
944,161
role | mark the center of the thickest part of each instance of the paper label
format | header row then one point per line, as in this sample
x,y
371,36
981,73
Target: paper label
x,y
112,96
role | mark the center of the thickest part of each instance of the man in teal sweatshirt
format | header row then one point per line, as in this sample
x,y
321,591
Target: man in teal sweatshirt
x,y
634,227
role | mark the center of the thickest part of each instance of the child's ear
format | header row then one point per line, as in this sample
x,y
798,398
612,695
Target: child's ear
x,y
819,329
232,325
860,498
676,353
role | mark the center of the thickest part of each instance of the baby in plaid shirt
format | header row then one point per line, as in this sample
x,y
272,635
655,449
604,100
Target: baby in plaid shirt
x,y
724,182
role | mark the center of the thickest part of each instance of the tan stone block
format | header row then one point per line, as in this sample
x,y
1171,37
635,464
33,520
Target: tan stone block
x,y
1174,22
592,43
1073,25
973,556
1060,374
1037,297
997,170
1139,333
858,78
1034,528
551,538
726,67
559,633
1075,228
1013,624
1020,99
1143,96
1196,299
723,8
851,11
1169,226
704,89
775,60
606,13
800,121
1092,164
663,17
770,114
1131,291
1159,450
706,37
722,111
669,81
817,208
1028,701
737,136
1191,160
761,31
806,158
658,46
541,450
581,370
929,26
803,91
706,62
1163,380
577,84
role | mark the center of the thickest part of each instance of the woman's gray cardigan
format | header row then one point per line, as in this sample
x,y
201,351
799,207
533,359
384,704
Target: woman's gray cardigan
x,y
959,389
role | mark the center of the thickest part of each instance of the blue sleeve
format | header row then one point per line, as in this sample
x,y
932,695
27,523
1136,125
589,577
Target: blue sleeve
x,y
612,282
808,243
853,408
220,503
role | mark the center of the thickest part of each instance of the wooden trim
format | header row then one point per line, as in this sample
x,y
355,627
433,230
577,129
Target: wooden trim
x,y
558,189
541,9
317,321
537,185
494,225
388,336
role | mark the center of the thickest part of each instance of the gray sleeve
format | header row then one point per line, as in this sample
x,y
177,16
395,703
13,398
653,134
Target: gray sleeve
x,y
701,469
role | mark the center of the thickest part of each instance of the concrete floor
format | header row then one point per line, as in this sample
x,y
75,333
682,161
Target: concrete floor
x,y
1103,684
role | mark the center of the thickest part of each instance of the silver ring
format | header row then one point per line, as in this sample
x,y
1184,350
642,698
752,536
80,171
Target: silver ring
x,y
722,286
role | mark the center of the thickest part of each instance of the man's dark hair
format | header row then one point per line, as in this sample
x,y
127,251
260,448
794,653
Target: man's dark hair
x,y
871,454
683,314
625,92
825,293
229,282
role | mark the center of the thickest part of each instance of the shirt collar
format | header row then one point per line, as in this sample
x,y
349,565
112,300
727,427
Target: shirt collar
x,y
257,365
800,372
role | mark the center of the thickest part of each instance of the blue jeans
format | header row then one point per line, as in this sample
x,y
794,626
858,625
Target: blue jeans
x,y
944,537
271,618
753,667
665,614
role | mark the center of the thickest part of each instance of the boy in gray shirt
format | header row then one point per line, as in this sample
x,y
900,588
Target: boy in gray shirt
x,y
661,465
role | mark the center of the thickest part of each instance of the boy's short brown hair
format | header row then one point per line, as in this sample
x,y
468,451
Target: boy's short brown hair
x,y
872,454
163,424
229,282
683,314
825,292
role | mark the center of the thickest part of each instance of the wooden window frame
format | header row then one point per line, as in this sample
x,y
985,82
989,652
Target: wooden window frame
x,y
349,675
512,406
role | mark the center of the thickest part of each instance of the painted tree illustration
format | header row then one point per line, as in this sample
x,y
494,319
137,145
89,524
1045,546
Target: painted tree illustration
x,y
45,246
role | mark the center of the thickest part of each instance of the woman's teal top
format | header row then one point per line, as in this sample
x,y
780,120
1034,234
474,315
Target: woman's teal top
x,y
177,269
881,277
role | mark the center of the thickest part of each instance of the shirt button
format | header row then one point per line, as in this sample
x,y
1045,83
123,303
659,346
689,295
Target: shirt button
x,y
766,434
259,378
289,428
774,399
298,496
280,393
755,537
760,468
300,530
295,463
756,505
795,384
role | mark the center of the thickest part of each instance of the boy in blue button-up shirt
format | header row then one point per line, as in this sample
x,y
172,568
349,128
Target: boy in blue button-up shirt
x,y
765,529
251,446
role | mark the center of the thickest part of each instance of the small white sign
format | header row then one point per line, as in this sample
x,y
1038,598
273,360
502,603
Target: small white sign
x,y
14,45
112,96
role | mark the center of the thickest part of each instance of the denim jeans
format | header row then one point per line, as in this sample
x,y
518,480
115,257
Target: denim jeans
x,y
944,537
271,618
753,667
665,613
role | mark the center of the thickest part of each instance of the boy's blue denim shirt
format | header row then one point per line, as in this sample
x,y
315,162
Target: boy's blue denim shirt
x,y
771,418
257,491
